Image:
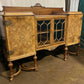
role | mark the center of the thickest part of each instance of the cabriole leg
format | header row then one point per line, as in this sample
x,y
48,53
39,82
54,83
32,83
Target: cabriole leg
x,y
10,65
66,53
35,63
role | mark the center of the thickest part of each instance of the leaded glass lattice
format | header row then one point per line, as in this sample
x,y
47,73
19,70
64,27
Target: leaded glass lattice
x,y
43,32
59,30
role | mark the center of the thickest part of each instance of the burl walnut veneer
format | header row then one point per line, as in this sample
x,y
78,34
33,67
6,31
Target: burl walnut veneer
x,y
29,29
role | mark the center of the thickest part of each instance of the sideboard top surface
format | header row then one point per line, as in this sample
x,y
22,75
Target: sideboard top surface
x,y
36,10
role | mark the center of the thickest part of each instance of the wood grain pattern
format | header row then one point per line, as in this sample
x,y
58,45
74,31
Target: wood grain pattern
x,y
16,14
19,37
74,28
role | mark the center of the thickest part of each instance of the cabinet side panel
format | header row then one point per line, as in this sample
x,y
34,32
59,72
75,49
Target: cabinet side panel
x,y
20,36
74,29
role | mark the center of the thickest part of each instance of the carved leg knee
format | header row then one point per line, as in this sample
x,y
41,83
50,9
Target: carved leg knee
x,y
66,53
35,63
78,49
10,65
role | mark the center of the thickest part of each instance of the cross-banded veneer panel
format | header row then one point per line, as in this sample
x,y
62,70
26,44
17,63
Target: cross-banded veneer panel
x,y
20,36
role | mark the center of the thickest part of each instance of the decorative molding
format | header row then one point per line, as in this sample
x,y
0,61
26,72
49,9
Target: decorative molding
x,y
37,5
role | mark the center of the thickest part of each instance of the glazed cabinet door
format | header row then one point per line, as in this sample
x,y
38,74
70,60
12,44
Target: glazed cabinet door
x,y
20,36
51,31
60,29
43,32
74,26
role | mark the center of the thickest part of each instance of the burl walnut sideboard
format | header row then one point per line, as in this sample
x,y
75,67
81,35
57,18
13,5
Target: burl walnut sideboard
x,y
29,29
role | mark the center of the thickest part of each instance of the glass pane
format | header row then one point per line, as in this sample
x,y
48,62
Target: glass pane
x,y
59,26
56,21
59,29
43,28
38,38
47,21
58,35
54,35
49,36
44,37
38,28
55,27
62,20
39,22
49,27
63,26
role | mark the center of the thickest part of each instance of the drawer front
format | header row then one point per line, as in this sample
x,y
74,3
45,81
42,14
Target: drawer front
x,y
20,35
74,29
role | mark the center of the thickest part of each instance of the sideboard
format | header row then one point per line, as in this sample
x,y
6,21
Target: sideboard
x,y
30,29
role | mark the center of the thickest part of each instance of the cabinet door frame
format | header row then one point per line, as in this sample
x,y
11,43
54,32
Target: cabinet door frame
x,y
51,18
28,46
65,28
74,27
40,19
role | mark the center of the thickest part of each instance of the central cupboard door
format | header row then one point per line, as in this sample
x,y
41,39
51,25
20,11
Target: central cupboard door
x,y
50,30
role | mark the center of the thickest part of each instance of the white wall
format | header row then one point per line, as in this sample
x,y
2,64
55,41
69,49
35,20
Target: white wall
x,y
28,3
